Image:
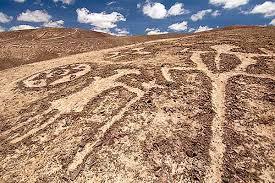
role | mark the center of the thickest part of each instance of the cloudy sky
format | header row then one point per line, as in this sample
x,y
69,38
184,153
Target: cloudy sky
x,y
122,17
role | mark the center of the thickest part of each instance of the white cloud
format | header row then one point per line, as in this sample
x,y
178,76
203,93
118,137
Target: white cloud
x,y
179,26
203,28
155,10
216,13
65,1
154,31
159,11
267,9
272,22
200,14
5,18
22,27
110,3
150,29
191,30
34,16
121,32
20,1
2,29
97,29
117,31
177,9
56,24
38,16
228,4
101,21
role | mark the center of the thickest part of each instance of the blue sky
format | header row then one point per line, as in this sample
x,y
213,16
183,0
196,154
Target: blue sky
x,y
121,17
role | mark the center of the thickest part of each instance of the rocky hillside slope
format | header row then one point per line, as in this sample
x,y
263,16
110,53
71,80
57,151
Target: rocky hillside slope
x,y
28,46
196,108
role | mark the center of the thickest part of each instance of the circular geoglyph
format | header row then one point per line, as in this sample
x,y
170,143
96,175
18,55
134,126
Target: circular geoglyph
x,y
57,75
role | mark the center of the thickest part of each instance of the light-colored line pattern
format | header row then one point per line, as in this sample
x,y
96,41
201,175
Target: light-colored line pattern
x,y
77,101
59,37
219,81
166,71
221,49
79,158
31,82
35,130
217,147
19,125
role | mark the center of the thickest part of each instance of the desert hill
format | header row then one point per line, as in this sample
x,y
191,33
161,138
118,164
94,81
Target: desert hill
x,y
90,107
28,46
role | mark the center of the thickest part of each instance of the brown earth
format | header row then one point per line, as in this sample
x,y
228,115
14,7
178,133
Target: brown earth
x,y
170,108
28,46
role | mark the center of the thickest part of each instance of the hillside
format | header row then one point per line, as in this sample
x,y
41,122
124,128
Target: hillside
x,y
28,46
171,108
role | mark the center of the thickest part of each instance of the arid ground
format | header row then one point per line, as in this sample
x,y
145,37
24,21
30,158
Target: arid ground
x,y
174,108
